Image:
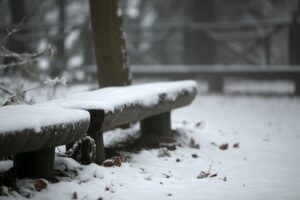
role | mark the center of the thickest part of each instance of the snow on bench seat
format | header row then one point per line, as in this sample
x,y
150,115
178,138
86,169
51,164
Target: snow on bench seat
x,y
121,105
30,133
114,106
27,128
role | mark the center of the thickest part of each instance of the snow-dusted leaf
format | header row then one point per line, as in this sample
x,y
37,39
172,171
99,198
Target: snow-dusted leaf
x,y
203,175
223,146
236,145
74,196
40,184
54,81
193,144
164,152
117,161
195,155
108,163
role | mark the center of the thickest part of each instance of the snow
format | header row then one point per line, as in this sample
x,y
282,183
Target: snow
x,y
57,80
265,166
108,99
19,117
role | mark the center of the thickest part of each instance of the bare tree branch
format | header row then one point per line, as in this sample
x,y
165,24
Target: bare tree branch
x,y
14,30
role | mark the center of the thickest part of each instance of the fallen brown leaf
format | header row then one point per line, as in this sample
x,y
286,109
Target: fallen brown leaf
x,y
117,161
193,144
164,152
236,145
224,146
108,163
74,196
198,124
203,175
213,144
195,155
40,184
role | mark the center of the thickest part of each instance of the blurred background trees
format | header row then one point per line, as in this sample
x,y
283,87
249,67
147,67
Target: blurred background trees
x,y
169,32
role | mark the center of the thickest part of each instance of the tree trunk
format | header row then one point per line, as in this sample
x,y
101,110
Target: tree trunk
x,y
59,64
61,51
199,47
109,43
294,38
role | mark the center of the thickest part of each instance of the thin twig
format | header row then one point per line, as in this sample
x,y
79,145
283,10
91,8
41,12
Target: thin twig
x,y
14,30
209,168
6,90
19,97
21,63
9,53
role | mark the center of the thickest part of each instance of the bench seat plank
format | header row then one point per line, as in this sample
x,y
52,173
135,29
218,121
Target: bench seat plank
x,y
29,128
121,105
114,106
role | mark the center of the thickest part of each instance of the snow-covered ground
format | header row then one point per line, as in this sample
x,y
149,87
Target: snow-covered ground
x,y
264,164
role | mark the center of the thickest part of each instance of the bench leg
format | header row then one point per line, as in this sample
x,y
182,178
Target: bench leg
x,y
156,129
216,85
297,88
37,164
100,152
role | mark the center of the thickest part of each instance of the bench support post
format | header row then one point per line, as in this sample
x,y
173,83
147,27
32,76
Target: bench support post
x,y
216,85
38,164
156,129
297,87
100,152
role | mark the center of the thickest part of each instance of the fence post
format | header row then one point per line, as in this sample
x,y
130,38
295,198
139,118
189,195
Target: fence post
x,y
297,87
294,44
216,85
199,46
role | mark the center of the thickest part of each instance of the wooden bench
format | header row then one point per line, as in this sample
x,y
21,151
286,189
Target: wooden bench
x,y
114,106
215,74
31,133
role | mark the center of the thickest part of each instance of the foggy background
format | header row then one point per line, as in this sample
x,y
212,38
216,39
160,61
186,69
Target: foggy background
x,y
169,34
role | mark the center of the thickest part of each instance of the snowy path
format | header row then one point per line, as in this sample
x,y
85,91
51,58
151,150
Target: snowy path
x,y
265,166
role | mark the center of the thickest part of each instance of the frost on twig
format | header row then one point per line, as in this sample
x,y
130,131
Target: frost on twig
x,y
57,80
15,97
24,61
21,59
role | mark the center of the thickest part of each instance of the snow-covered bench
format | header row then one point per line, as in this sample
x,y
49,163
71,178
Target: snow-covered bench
x,y
31,133
114,106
